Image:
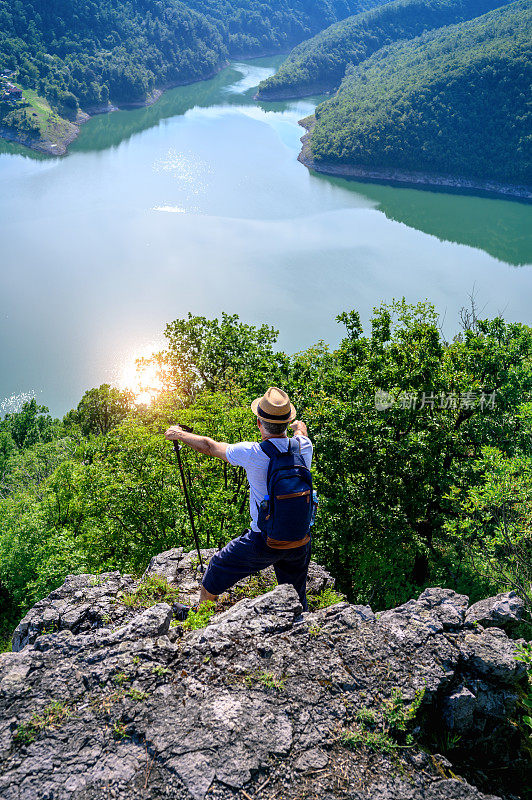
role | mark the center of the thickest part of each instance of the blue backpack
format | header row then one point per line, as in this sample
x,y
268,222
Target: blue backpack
x,y
286,513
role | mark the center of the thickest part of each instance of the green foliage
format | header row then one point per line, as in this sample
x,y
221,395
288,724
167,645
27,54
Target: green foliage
x,y
378,741
200,617
452,101
101,409
407,493
327,597
50,717
136,694
75,54
160,671
384,476
217,355
321,62
253,27
119,731
28,426
153,589
366,716
384,729
492,529
254,587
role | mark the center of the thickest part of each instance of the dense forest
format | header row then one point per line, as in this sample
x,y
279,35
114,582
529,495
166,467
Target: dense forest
x,y
429,483
255,27
319,64
454,101
82,53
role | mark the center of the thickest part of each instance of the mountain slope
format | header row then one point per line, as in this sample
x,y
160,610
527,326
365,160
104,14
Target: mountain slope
x,y
81,52
255,27
320,63
452,102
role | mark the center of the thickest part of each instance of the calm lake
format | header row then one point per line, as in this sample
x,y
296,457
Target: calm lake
x,y
199,204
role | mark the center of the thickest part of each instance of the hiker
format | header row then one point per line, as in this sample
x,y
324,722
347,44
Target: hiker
x,y
280,526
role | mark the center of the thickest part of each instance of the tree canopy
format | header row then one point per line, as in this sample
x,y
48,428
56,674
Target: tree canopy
x,y
453,101
320,63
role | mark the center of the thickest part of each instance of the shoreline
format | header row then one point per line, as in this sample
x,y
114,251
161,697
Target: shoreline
x,y
405,179
60,147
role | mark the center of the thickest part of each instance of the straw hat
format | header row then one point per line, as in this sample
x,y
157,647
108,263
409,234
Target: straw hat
x,y
274,406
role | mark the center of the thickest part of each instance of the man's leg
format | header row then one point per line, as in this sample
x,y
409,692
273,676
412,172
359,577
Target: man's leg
x,y
238,559
293,568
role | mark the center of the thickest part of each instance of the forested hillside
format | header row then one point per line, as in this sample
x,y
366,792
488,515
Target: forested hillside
x,y
81,52
253,27
454,102
320,63
414,485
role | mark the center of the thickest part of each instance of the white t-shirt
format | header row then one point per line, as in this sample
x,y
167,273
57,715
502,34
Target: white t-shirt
x,y
255,462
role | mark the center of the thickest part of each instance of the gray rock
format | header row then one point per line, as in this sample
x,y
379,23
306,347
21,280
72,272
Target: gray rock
x,y
505,610
154,621
434,611
254,696
491,655
312,759
459,709
165,564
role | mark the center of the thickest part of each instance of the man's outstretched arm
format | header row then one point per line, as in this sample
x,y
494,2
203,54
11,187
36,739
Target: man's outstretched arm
x,y
203,444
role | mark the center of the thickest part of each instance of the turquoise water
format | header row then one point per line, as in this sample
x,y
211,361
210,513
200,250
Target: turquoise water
x,y
198,203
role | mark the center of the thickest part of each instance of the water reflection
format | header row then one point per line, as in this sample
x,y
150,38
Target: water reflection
x,y
502,228
110,130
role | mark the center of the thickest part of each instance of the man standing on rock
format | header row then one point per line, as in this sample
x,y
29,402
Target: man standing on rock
x,y
289,461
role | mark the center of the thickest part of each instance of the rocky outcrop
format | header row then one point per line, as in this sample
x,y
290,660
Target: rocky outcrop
x,y
506,611
104,699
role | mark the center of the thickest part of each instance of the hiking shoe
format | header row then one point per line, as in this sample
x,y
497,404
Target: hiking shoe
x,y
180,611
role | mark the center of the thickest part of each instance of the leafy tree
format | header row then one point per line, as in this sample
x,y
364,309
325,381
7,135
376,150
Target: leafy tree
x,y
384,476
492,531
217,354
100,409
29,425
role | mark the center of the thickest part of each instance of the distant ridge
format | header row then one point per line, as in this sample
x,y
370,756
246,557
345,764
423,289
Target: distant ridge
x,y
452,102
319,64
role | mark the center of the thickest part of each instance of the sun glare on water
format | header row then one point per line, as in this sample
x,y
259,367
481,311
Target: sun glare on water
x,y
143,380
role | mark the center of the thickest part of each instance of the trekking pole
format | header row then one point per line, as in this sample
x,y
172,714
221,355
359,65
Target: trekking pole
x,y
177,448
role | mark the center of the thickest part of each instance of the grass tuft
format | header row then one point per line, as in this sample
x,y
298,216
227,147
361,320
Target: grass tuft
x,y
153,589
51,716
199,619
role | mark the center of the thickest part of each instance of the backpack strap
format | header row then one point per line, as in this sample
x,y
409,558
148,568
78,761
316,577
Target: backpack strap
x,y
269,448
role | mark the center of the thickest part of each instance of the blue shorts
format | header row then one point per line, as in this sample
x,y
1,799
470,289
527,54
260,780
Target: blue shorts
x,y
249,553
